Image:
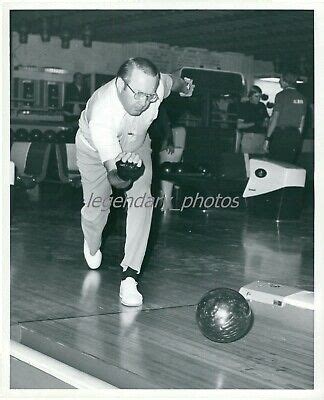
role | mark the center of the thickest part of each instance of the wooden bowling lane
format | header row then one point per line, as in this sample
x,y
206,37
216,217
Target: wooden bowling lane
x,y
190,253
55,295
164,348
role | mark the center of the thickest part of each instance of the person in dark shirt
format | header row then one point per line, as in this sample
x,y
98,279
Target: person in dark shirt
x,y
284,136
253,115
252,120
76,93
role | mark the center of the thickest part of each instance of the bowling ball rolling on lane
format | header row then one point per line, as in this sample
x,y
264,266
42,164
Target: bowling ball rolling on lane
x,y
223,315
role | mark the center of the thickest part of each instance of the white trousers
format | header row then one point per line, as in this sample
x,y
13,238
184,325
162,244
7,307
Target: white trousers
x,y
97,193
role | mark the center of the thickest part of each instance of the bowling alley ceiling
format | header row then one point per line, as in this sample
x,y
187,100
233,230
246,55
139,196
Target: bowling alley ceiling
x,y
265,34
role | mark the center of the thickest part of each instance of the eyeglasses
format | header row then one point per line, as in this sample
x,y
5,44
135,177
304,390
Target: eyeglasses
x,y
141,96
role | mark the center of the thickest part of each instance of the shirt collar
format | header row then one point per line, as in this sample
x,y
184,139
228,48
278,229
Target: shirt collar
x,y
120,107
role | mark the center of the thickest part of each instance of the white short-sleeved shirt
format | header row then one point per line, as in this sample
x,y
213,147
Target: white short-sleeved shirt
x,y
109,129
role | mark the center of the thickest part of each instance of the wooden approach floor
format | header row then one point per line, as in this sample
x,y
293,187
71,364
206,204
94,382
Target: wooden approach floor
x,y
63,308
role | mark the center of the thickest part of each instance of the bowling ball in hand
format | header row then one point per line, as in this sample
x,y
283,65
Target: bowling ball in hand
x,y
223,315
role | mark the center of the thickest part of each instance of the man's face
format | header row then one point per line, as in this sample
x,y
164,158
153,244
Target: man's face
x,y
255,98
139,82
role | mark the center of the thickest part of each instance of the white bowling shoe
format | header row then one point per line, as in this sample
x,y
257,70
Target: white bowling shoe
x,y
128,293
94,261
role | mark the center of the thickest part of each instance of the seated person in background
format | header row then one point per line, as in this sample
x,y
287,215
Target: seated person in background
x,y
76,95
253,115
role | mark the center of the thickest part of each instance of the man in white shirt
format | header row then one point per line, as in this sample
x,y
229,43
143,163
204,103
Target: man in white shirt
x,y
113,129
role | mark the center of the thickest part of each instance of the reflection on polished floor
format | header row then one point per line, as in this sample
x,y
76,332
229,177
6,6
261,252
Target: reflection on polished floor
x,y
55,297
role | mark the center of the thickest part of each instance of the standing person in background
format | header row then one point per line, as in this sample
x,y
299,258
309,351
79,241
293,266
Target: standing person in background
x,y
253,115
114,150
76,94
284,136
252,121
